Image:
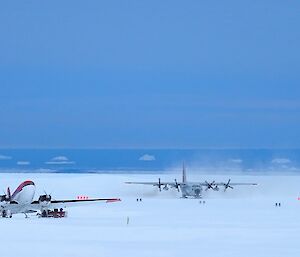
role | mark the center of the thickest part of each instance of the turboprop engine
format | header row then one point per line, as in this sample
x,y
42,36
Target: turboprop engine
x,y
45,200
5,198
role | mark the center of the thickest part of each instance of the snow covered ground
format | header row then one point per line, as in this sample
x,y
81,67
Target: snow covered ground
x,y
241,222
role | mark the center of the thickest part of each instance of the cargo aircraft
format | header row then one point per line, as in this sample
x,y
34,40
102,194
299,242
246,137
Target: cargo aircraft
x,y
21,201
192,189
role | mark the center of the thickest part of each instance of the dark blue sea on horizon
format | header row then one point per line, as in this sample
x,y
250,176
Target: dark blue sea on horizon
x,y
148,161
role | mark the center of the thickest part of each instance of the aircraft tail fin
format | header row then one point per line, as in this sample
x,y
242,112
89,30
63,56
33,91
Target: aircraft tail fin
x,y
183,174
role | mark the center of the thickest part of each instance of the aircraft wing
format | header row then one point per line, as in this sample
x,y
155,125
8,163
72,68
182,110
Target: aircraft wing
x,y
36,205
151,183
210,185
158,184
236,184
214,185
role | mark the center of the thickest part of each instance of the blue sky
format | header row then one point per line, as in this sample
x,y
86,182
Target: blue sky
x,y
150,74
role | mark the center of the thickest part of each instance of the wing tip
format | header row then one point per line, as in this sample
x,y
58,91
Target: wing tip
x,y
113,200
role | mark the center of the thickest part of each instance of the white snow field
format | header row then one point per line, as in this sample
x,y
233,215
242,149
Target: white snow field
x,y
240,222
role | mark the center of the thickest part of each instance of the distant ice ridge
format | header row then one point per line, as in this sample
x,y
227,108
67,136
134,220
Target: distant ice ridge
x,y
150,160
147,157
281,161
5,157
235,160
59,160
23,162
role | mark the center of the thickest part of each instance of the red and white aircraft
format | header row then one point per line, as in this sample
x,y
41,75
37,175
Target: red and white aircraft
x,y
21,201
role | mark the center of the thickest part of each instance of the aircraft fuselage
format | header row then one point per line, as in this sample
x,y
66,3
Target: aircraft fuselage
x,y
20,199
191,190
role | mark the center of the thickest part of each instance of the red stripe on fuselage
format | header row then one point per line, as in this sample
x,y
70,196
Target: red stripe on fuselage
x,y
21,186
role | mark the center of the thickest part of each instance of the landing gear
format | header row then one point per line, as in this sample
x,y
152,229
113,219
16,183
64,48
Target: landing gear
x,y
3,214
6,214
44,214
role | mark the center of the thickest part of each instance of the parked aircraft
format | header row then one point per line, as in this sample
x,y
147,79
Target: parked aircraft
x,y
192,189
21,201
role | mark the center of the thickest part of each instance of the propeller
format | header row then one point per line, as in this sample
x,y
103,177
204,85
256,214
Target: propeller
x,y
46,197
8,194
227,185
3,197
159,184
176,185
210,185
45,192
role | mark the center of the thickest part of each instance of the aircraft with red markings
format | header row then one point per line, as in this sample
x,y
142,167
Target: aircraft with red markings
x,y
21,201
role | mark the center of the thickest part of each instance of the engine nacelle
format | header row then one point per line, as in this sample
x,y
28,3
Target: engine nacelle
x,y
3,200
6,213
45,200
165,188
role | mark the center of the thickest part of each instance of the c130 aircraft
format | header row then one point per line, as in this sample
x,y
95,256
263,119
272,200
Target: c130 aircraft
x,y
192,189
21,201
